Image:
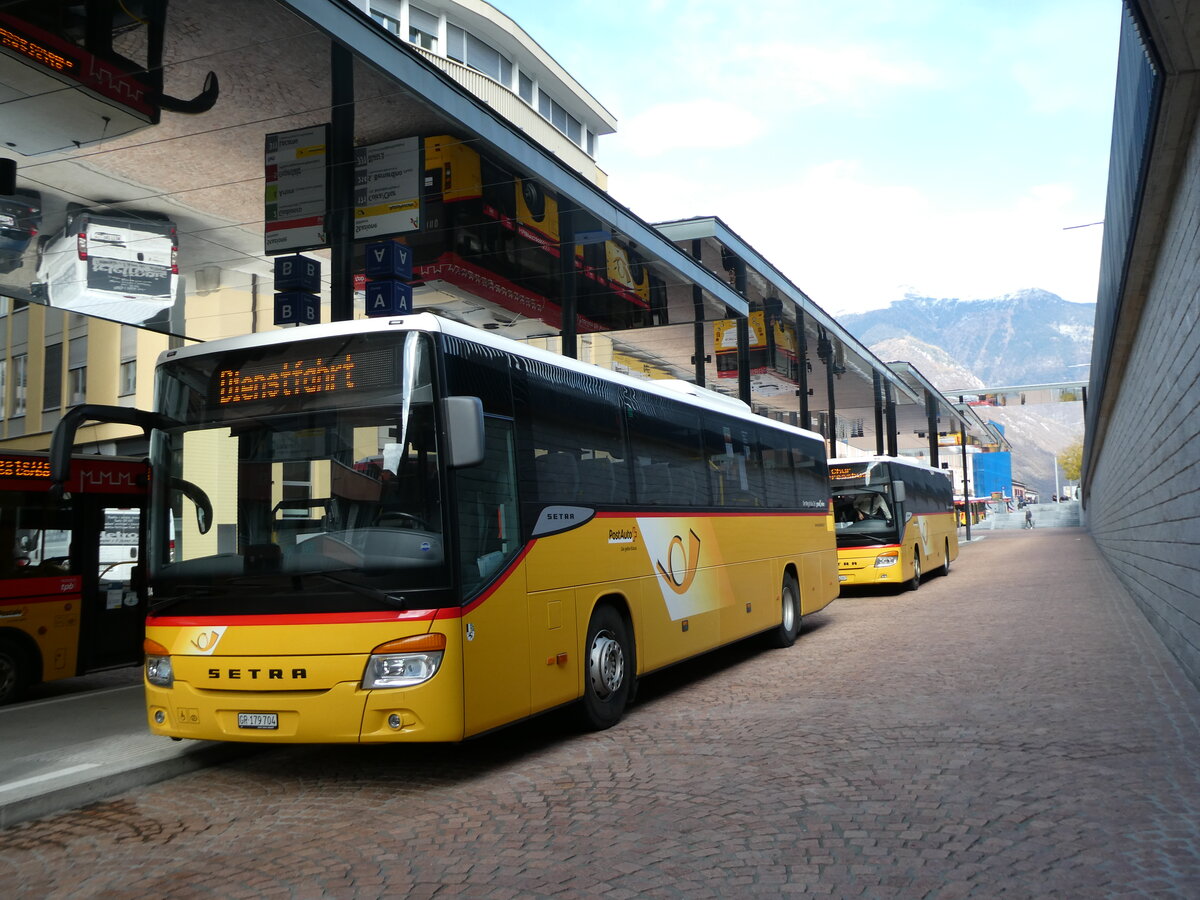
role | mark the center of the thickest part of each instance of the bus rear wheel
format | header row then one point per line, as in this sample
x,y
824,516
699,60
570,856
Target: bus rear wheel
x,y
608,679
946,564
14,671
789,626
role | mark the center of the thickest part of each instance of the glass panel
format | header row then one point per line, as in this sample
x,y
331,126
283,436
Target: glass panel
x,y
323,508
487,508
734,463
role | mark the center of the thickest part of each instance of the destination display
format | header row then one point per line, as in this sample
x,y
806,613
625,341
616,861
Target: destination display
x,y
307,377
846,473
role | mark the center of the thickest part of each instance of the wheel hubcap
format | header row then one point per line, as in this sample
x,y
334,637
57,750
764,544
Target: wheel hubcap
x,y
789,611
606,665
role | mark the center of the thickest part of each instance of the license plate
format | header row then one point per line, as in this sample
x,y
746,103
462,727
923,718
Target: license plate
x,y
265,721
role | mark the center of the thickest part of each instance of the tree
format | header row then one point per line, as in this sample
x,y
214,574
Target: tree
x,y
1071,461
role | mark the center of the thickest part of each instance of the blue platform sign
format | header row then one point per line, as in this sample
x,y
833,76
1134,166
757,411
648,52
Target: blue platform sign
x,y
297,308
388,298
387,259
297,273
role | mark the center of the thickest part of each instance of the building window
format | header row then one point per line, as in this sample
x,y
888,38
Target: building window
x,y
560,118
591,144
128,378
77,371
20,383
392,25
468,49
3,385
77,386
52,377
422,29
525,88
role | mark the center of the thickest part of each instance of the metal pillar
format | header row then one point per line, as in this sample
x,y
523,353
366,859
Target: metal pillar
x,y
802,369
743,335
931,422
826,355
877,394
889,394
962,441
698,335
566,271
340,222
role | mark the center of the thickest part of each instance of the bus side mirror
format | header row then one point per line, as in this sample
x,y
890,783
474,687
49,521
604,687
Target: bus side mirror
x,y
204,510
897,491
464,431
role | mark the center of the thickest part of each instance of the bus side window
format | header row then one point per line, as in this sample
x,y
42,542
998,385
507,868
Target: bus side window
x,y
487,507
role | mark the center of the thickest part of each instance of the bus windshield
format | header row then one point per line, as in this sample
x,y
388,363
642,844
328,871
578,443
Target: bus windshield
x,y
864,515
319,504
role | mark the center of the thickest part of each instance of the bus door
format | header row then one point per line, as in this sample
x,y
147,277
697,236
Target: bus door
x,y
105,546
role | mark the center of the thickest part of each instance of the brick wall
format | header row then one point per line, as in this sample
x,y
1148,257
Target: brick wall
x,y
1144,507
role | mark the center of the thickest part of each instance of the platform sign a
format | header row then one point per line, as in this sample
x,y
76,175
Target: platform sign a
x,y
388,298
387,259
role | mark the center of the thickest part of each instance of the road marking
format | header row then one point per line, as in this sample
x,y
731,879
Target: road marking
x,y
61,773
81,695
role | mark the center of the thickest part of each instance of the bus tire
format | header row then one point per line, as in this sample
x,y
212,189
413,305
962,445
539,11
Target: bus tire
x,y
608,669
915,582
14,671
946,564
785,634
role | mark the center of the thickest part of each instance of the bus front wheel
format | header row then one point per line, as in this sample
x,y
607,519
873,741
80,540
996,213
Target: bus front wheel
x,y
915,582
608,679
789,627
14,672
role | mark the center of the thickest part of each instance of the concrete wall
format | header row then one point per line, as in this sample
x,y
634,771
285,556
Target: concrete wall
x,y
1144,504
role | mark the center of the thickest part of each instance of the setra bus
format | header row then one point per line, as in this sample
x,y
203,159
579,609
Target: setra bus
x,y
413,530
67,605
894,520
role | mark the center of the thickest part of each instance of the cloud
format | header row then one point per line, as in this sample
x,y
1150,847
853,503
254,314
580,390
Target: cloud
x,y
691,126
853,244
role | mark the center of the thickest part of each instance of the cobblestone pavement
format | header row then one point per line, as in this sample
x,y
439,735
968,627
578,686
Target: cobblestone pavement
x,y
1015,729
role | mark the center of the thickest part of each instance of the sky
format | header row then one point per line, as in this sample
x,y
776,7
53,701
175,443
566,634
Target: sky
x,y
869,149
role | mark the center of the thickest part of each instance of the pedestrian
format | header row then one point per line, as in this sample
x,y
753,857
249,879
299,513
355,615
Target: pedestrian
x,y
1028,518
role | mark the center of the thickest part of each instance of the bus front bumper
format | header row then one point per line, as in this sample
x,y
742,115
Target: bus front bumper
x,y
341,714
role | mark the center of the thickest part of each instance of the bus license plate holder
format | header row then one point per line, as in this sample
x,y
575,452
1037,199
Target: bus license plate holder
x,y
258,721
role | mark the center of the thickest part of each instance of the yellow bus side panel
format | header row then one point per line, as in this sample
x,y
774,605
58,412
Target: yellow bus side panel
x,y
54,627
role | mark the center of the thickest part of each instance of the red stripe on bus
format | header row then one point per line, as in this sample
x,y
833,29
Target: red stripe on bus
x,y
459,612
413,615
692,514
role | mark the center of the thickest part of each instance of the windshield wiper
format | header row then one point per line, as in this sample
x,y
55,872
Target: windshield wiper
x,y
362,590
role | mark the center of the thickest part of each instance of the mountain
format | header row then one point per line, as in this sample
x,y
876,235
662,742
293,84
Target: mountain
x,y
1030,337
933,362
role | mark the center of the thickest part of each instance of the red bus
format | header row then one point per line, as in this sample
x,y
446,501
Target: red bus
x,y
67,605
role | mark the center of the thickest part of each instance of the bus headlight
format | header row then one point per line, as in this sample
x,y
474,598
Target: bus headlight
x,y
158,664
404,663
887,558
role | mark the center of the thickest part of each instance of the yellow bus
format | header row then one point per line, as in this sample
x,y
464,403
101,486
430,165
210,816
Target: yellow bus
x,y
894,520
413,530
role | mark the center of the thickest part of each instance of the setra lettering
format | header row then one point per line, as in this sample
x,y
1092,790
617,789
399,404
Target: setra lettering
x,y
256,674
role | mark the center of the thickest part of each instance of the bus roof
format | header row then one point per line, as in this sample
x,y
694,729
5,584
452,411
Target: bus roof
x,y
428,322
896,460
